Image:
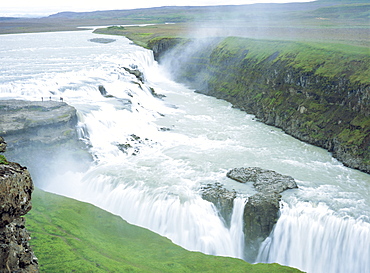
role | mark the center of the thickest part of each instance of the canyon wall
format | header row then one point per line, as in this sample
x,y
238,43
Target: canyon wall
x,y
317,93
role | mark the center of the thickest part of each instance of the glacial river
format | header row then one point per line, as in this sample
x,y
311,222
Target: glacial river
x,y
177,144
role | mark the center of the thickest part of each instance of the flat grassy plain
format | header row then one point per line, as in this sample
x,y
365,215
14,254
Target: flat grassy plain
x,y
329,21
73,236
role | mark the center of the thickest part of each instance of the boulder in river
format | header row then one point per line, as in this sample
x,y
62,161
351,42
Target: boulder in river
x,y
261,211
136,72
264,181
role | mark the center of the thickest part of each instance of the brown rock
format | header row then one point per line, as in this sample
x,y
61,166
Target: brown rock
x,y
16,187
15,192
2,145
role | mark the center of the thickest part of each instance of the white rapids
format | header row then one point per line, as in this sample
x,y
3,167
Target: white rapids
x,y
174,145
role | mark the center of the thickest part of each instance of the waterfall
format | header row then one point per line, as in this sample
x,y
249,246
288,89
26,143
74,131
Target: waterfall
x,y
175,211
315,239
236,226
151,156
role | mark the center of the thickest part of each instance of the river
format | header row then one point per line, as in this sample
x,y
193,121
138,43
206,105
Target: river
x,y
175,144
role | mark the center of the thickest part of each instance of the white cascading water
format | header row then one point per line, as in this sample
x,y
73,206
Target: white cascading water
x,y
314,238
151,156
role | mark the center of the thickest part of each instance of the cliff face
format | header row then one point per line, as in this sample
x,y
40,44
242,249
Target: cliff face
x,y
161,45
48,122
41,134
15,201
318,95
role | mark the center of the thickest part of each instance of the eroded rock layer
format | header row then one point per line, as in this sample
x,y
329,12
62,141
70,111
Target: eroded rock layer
x,y
16,187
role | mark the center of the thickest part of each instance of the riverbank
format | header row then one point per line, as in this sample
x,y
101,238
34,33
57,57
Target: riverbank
x,y
318,93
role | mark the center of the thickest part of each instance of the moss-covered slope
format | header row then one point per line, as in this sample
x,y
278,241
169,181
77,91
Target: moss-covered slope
x,y
317,92
72,236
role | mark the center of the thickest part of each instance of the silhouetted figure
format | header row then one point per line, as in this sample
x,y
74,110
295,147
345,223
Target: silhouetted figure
x,y
61,99
50,98
42,98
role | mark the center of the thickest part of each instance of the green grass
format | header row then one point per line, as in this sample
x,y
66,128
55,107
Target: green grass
x,y
322,59
72,236
333,57
3,160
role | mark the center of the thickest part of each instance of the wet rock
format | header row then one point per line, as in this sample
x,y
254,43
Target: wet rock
x,y
134,144
264,181
136,72
260,215
260,211
155,94
102,90
222,198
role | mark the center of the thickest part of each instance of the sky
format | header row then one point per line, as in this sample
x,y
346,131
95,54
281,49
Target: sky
x,y
39,8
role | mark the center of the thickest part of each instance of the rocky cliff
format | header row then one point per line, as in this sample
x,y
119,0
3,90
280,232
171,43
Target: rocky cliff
x,y
15,201
47,122
261,210
317,93
40,134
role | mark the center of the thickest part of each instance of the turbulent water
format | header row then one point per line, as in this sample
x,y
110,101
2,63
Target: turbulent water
x,y
151,155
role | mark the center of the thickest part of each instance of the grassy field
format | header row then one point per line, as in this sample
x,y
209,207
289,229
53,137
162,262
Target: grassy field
x,y
349,57
72,236
344,22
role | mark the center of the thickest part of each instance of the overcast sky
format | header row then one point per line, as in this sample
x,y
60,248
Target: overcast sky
x,y
47,7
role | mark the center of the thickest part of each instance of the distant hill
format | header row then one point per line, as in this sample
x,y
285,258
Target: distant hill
x,y
343,13
344,9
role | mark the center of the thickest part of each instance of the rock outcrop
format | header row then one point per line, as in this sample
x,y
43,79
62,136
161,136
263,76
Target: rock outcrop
x,y
264,181
136,72
39,133
261,210
48,122
222,198
2,145
16,187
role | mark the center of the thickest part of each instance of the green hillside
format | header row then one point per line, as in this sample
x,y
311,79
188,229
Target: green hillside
x,y
72,236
